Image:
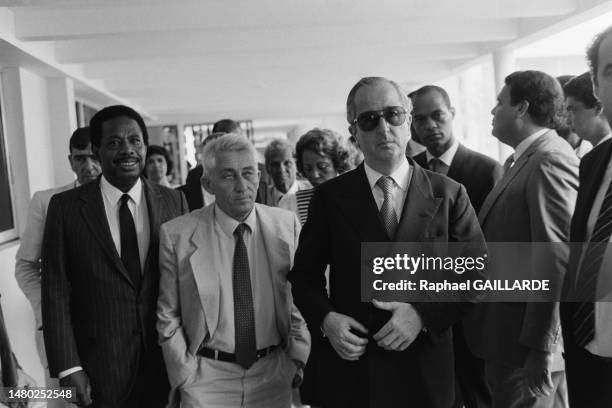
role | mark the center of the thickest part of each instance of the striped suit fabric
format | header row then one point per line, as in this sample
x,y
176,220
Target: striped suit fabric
x,y
93,314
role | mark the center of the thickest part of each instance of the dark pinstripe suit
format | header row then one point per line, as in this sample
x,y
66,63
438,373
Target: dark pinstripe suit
x,y
93,315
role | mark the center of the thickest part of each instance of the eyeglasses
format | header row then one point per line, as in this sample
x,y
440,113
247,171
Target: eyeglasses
x,y
394,115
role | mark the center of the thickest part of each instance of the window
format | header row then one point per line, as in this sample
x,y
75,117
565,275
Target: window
x,y
8,229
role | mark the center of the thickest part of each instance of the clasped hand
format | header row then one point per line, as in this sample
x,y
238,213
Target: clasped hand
x,y
348,337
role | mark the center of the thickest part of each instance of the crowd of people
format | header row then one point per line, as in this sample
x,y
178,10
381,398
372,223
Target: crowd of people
x,y
242,288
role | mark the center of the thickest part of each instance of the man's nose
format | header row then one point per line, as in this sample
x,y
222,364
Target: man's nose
x,y
383,125
240,184
92,164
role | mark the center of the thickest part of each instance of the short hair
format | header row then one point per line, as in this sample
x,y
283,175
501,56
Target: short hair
x,y
211,137
226,126
581,88
322,142
542,92
592,52
79,139
369,81
431,88
229,142
112,112
278,145
161,151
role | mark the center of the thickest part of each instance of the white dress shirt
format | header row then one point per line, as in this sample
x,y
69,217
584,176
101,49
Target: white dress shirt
x,y
524,145
111,196
262,286
601,344
401,180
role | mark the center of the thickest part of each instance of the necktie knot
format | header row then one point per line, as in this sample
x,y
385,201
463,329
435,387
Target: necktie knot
x,y
125,198
386,184
508,163
438,166
240,229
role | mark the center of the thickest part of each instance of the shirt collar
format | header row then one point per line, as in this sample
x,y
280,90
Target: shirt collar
x,y
113,194
292,190
400,176
524,145
606,137
447,156
228,224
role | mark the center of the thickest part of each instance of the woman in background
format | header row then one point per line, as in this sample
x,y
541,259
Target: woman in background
x,y
320,156
158,165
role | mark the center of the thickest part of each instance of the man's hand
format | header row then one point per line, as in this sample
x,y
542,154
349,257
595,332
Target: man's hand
x,y
299,374
80,381
403,327
337,327
537,381
24,380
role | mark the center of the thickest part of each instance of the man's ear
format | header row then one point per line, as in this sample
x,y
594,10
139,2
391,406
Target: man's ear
x,y
207,184
599,108
452,111
352,130
521,109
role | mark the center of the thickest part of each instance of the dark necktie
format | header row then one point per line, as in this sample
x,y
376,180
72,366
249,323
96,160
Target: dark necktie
x,y
387,212
586,285
129,241
244,315
508,163
438,166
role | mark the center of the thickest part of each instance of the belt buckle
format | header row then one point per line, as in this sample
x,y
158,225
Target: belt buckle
x,y
216,355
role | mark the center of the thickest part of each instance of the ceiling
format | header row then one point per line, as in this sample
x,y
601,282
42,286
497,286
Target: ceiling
x,y
269,59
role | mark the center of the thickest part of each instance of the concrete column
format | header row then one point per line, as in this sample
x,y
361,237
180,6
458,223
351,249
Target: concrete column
x,y
504,64
63,121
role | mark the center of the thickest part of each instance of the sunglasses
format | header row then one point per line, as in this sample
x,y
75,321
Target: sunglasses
x,y
394,115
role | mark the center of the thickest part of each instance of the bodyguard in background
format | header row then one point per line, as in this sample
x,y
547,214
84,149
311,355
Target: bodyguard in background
x,y
101,273
86,167
587,323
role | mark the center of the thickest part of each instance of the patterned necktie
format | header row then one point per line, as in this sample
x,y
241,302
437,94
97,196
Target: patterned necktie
x,y
387,212
244,315
438,166
129,242
586,285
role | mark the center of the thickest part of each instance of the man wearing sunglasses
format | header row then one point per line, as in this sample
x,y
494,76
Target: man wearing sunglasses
x,y
379,354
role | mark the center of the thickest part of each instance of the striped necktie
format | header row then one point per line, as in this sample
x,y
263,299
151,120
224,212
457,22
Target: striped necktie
x,y
387,212
586,286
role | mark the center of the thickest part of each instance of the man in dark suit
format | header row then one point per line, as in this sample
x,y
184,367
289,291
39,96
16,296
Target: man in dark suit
x,y
585,319
432,116
381,354
533,202
101,273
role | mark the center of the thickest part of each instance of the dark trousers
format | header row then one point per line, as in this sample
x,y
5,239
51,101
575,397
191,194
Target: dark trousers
x,y
472,390
589,379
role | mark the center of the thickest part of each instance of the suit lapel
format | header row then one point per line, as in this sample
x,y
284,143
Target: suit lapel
x,y
420,206
154,206
204,266
459,160
279,258
499,188
95,216
592,169
360,208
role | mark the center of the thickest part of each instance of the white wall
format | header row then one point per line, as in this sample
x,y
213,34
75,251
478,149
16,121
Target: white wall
x,y
33,107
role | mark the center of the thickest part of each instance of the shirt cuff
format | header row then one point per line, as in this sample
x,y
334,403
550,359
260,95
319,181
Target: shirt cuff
x,y
66,373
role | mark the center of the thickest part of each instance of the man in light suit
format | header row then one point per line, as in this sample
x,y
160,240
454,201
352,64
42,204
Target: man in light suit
x,y
229,331
101,273
380,354
587,327
28,260
533,202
